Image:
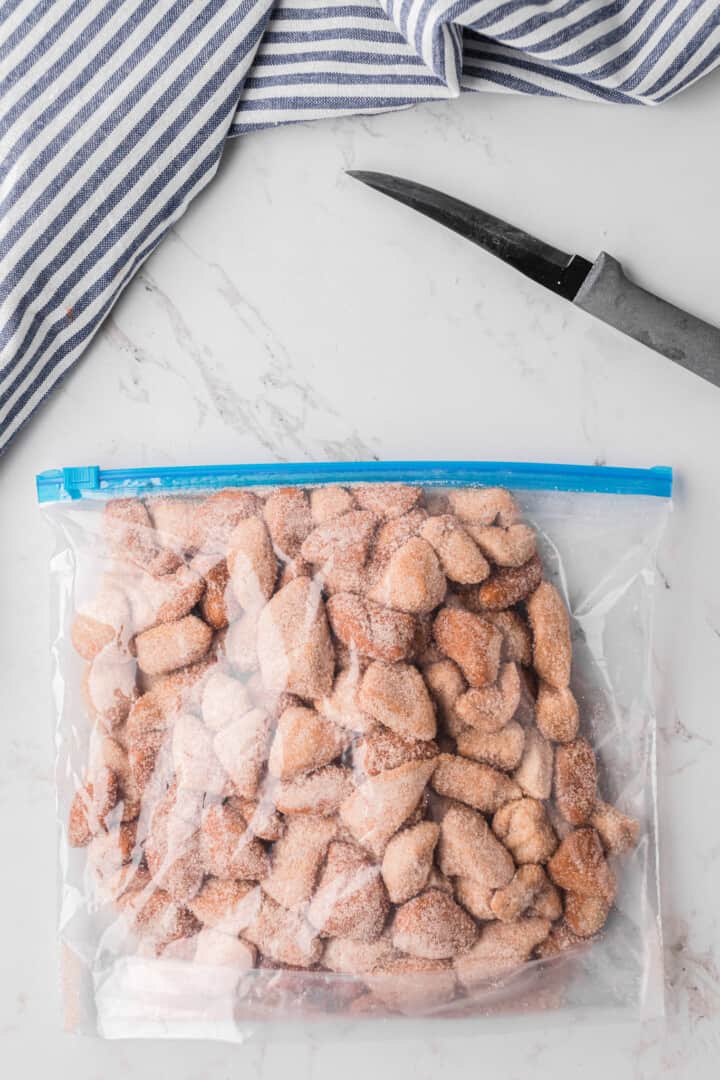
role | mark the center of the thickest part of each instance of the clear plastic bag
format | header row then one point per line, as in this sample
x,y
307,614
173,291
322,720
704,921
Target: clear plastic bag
x,y
317,757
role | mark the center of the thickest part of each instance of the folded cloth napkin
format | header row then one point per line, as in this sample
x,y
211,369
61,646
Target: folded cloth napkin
x,y
113,117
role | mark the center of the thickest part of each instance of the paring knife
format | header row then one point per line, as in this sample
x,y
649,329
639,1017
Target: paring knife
x,y
599,288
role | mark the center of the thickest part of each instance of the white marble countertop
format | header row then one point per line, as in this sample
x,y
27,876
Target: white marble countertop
x,y
296,315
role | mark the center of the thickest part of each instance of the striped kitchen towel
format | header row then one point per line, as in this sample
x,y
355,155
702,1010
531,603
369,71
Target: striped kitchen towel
x,y
113,117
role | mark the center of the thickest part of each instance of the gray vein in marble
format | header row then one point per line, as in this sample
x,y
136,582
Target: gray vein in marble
x,y
20,764
675,729
693,976
278,417
133,386
663,576
20,1008
446,122
234,410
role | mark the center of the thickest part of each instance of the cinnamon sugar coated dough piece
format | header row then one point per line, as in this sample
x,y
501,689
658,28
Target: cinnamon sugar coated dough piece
x,y
227,847
490,708
172,846
387,500
576,781
333,733
396,532
619,832
129,533
293,641
408,860
445,682
396,695
468,849
218,514
284,936
381,749
223,699
182,689
459,555
91,807
164,599
478,785
226,905
341,542
297,857
502,948
433,926
217,605
110,690
380,805
512,546
370,629
509,585
304,741
525,829
550,623
516,897
341,705
197,766
412,985
215,948
472,642
350,900
159,918
586,915
517,639
484,506
475,898
241,747
103,625
501,749
329,502
321,792
412,581
350,957
287,515
175,522
107,752
557,713
579,866
241,643
251,563
535,772
172,645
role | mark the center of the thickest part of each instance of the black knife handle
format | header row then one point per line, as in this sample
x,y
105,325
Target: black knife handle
x,y
612,297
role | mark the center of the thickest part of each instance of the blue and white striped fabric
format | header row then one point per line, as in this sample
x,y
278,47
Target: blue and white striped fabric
x,y
113,117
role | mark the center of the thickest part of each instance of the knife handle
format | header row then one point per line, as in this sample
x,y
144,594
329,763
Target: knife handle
x,y
612,297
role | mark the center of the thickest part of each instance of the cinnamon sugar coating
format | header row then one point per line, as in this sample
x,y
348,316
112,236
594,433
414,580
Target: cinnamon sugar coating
x,y
335,732
472,642
396,695
408,860
433,926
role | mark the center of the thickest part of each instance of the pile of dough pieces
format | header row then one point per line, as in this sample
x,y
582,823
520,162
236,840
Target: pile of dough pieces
x,y
333,732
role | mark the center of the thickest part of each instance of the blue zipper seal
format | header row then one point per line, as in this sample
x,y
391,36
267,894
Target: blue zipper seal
x,y
91,481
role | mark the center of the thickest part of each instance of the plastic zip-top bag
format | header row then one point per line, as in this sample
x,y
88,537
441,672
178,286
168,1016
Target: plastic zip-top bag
x,y
356,740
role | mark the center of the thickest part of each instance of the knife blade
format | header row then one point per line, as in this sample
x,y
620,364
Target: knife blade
x,y
600,288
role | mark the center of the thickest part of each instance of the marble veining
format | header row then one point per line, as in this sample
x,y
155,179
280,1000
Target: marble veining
x,y
292,314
